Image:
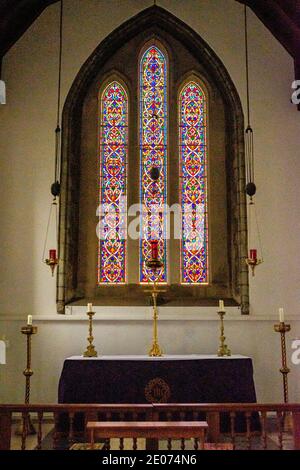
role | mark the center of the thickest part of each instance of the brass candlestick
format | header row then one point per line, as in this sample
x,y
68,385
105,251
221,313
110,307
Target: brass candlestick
x,y
283,328
26,427
90,350
155,350
223,348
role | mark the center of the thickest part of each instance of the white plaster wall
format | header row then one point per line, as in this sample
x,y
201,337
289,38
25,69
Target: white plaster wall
x,y
67,337
27,125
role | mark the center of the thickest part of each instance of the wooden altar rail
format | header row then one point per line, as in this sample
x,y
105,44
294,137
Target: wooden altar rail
x,y
152,412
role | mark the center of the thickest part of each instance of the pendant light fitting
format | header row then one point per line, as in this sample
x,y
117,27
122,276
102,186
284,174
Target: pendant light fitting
x,y
252,259
53,259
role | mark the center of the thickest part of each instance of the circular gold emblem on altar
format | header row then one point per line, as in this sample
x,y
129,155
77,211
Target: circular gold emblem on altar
x,y
157,391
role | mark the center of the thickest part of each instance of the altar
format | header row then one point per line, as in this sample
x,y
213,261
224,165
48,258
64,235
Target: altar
x,y
167,379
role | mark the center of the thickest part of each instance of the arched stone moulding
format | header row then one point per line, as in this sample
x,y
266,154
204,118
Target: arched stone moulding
x,y
157,18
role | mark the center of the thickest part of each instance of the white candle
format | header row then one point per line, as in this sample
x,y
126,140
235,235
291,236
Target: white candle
x,y
29,320
281,315
221,306
90,307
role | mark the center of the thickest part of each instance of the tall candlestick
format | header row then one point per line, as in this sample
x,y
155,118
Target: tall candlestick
x,y
284,328
154,263
281,315
26,427
155,350
90,350
223,348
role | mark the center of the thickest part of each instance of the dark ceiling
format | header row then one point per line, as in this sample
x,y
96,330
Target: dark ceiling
x,y
281,17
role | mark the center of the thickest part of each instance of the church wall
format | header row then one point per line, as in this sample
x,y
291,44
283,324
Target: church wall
x,y
27,160
67,337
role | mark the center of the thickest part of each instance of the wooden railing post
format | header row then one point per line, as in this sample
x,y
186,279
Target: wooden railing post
x,y
152,444
5,430
296,430
213,421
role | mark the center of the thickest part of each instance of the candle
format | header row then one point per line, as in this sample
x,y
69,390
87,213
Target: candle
x,y
253,255
52,254
154,249
29,320
221,306
90,307
281,315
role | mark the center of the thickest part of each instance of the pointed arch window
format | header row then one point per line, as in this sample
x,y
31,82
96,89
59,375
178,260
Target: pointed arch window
x,y
160,99
153,154
193,184
113,184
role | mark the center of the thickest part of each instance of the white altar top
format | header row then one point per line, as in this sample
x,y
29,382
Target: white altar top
x,y
185,357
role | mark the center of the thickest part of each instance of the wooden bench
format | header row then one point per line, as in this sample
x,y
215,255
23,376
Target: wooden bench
x,y
148,430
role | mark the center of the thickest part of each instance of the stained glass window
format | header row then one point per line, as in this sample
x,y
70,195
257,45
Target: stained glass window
x,y
113,160
153,154
193,185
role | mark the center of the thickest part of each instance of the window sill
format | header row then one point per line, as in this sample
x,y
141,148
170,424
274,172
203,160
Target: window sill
x,y
145,314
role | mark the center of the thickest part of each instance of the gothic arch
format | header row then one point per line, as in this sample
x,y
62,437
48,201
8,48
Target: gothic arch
x,y
159,19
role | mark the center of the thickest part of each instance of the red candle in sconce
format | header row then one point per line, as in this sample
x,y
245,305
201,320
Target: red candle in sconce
x,y
52,254
154,249
253,255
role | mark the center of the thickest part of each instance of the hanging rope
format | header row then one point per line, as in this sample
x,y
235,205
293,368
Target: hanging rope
x,y
249,221
247,65
53,208
249,144
253,228
249,150
59,62
55,188
258,233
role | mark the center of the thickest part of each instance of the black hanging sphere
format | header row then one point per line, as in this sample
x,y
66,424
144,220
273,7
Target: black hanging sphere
x,y
250,189
55,189
154,173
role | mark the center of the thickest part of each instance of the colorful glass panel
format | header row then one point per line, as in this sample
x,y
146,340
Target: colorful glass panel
x,y
153,154
193,162
113,205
